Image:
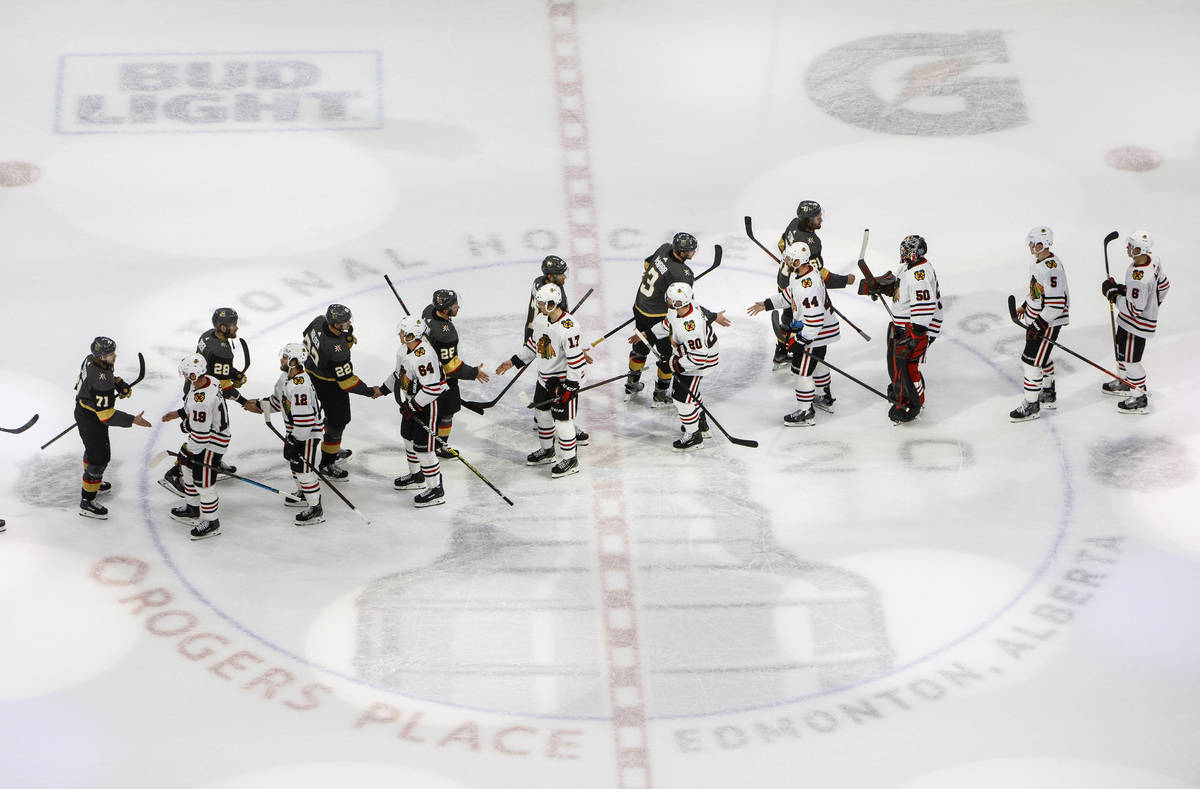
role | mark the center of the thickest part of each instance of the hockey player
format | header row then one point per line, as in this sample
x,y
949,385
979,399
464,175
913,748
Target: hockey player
x,y
916,322
206,418
96,393
554,270
668,264
814,326
557,345
304,419
1048,309
695,354
418,382
216,347
443,336
802,230
1137,301
328,340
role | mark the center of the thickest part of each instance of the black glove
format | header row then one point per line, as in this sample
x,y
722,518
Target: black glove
x,y
677,365
239,379
196,462
1040,325
123,389
293,450
1111,289
564,394
884,285
408,408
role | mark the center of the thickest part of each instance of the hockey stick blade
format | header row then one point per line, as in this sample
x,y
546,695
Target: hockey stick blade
x,y
472,405
750,235
245,353
717,254
1111,237
141,370
1012,311
22,428
158,458
862,253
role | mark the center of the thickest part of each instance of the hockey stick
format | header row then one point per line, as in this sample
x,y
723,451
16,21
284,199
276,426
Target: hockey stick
x,y
461,459
828,301
161,456
716,262
479,408
1111,237
396,294
1012,313
741,442
133,383
605,382
317,471
23,427
870,278
840,371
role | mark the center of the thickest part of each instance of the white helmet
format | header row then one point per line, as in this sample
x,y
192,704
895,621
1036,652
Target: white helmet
x,y
679,294
1040,235
548,294
192,364
294,350
1141,241
413,325
797,250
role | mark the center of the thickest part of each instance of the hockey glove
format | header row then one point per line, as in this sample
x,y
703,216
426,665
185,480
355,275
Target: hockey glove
x,y
677,365
884,285
239,379
1111,289
564,395
123,389
293,450
408,409
1039,324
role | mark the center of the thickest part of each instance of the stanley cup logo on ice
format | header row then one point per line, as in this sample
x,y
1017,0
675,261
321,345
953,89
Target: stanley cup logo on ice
x,y
219,92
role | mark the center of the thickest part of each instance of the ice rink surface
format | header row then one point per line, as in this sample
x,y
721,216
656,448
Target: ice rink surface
x,y
961,601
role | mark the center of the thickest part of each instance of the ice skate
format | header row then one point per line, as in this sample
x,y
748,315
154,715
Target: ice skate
x,y
801,417
632,386
333,471
187,514
90,509
1115,388
409,482
206,529
581,438
662,398
1139,404
431,497
295,499
825,402
564,467
311,516
105,487
540,456
344,454
1048,398
1025,412
688,442
173,481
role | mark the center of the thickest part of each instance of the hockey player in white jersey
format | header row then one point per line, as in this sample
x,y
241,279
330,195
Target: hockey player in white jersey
x,y
1047,308
695,353
295,396
814,326
916,322
207,422
1137,300
418,381
556,344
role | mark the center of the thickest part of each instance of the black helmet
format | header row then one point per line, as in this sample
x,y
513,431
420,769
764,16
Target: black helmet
x,y
223,316
444,299
337,313
553,265
103,346
913,249
684,243
808,209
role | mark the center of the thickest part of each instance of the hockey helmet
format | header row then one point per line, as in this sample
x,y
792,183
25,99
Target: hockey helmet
x,y
553,265
444,299
103,346
224,316
337,314
798,252
192,364
548,294
1140,241
913,249
1040,235
296,351
679,294
808,209
411,327
684,243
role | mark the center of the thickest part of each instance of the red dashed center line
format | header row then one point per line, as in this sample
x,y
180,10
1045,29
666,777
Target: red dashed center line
x,y
626,689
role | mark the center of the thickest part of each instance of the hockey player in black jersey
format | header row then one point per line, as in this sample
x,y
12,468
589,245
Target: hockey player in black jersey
x,y
215,346
668,265
443,336
96,393
328,340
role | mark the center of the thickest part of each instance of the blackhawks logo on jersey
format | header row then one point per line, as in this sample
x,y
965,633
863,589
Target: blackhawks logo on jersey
x,y
689,325
420,351
806,283
198,397
1138,274
918,275
545,348
566,323
1050,263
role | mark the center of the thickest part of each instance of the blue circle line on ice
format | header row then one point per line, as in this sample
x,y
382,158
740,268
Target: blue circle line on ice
x,y
1064,519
